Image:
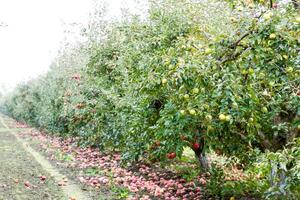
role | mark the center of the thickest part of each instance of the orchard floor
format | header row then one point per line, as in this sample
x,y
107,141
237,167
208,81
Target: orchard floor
x,y
21,169
83,172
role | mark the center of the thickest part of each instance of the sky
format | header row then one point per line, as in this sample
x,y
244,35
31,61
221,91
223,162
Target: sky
x,y
34,32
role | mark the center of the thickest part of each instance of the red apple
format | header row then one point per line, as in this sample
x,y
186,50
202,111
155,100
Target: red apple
x,y
42,178
196,146
275,5
27,184
171,155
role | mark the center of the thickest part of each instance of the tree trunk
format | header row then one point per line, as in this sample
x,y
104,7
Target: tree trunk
x,y
203,161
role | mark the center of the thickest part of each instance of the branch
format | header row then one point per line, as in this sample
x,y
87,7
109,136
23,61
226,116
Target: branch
x,y
296,4
235,55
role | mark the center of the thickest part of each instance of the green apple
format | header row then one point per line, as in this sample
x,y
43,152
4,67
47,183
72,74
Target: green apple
x,y
208,50
192,112
244,72
227,118
264,109
251,71
222,117
235,105
208,117
195,90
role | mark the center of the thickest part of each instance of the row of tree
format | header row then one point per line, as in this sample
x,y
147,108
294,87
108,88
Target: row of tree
x,y
207,75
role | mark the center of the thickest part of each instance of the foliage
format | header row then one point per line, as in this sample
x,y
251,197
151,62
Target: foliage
x,y
273,175
203,74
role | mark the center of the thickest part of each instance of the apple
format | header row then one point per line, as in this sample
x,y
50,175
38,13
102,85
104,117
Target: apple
x,y
186,96
208,50
265,93
182,112
227,118
195,90
208,117
42,178
171,155
251,71
233,19
251,119
222,117
235,105
264,109
272,36
27,184
192,112
164,81
196,146
210,128
244,72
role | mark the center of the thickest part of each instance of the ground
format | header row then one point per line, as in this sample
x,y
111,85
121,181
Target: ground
x,y
22,177
84,172
18,168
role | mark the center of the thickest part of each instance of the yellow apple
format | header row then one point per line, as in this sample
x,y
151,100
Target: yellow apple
x,y
272,36
186,96
222,117
208,117
192,112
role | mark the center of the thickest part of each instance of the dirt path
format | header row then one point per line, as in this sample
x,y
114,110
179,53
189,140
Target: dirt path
x,y
21,168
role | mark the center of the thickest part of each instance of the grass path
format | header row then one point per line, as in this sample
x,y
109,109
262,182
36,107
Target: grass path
x,y
20,163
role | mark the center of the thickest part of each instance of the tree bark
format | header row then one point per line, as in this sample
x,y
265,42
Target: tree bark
x,y
204,163
202,158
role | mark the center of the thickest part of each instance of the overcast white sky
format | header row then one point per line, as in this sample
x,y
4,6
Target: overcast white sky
x,y
34,33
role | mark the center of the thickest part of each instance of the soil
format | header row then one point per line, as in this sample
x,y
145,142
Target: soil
x,y
21,168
